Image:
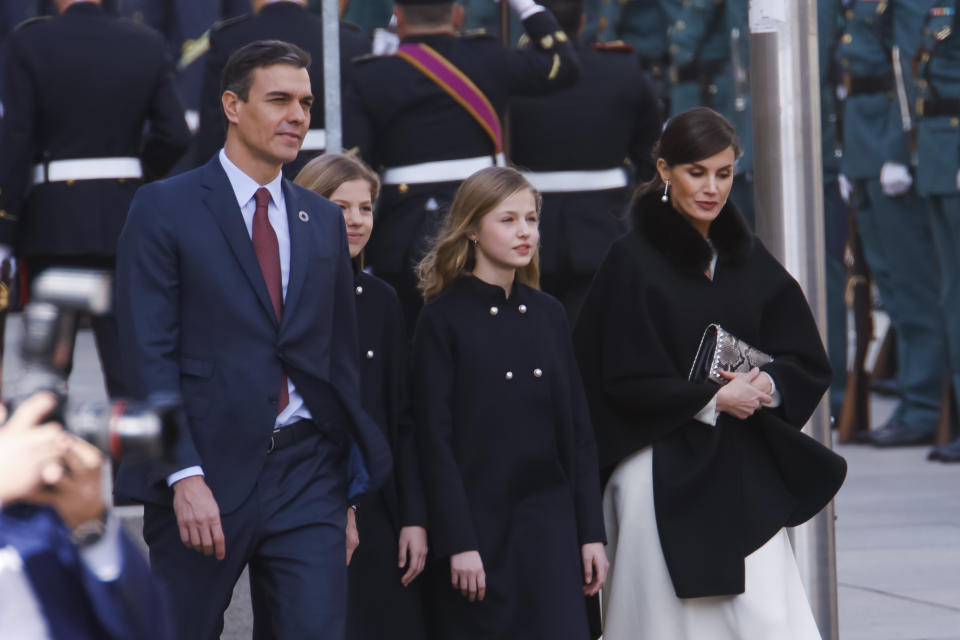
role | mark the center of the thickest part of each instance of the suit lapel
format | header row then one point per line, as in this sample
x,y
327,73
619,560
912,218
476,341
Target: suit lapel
x,y
299,250
221,202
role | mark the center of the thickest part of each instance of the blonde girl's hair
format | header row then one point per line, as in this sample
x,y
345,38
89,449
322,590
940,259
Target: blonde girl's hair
x,y
453,253
324,174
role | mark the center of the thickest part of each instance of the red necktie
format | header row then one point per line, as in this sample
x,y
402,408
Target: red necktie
x,y
267,248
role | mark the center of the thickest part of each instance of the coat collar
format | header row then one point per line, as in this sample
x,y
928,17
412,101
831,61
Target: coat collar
x,y
668,231
490,293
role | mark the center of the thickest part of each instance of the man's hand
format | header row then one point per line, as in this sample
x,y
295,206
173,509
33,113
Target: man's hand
x,y
595,567
30,454
353,536
413,553
198,517
77,496
739,397
467,576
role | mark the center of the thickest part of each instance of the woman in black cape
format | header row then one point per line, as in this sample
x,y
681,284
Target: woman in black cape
x,y
702,478
384,600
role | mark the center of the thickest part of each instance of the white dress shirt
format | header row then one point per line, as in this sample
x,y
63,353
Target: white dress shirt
x,y
244,187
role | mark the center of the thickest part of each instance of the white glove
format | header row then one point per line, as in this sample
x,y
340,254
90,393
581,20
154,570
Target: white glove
x,y
6,253
846,188
895,179
525,8
958,180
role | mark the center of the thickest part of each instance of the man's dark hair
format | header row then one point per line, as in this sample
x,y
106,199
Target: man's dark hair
x,y
238,72
428,15
568,13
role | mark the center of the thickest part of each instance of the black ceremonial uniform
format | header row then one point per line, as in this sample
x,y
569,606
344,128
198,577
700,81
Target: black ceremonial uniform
x,y
80,88
575,148
379,606
413,121
291,22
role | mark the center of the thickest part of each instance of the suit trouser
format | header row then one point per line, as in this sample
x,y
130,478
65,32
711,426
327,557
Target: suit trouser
x,y
945,224
290,531
898,245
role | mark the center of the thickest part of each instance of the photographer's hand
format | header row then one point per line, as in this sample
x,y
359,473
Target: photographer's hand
x,y
198,517
30,454
77,496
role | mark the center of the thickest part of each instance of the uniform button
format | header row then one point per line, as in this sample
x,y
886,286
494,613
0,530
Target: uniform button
x,y
494,311
847,38
3,213
509,375
680,25
403,188
359,291
370,354
955,122
70,182
523,308
537,373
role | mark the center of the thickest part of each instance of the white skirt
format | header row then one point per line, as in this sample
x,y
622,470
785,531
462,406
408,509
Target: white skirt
x,y
639,601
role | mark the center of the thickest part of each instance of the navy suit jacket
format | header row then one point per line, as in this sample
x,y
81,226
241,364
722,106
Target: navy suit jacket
x,y
195,317
75,603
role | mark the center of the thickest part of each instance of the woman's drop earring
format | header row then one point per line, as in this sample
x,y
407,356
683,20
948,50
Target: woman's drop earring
x,y
666,192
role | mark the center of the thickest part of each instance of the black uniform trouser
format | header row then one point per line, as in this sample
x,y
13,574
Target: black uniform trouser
x,y
104,327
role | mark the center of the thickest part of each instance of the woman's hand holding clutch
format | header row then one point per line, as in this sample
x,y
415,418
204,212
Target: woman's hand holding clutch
x,y
741,397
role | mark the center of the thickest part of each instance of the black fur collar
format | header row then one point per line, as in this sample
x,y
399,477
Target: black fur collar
x,y
668,231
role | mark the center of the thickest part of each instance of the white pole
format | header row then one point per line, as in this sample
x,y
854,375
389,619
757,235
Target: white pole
x,y
788,184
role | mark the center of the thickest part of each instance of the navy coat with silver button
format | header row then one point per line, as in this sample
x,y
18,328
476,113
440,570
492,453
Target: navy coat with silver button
x,y
508,457
375,586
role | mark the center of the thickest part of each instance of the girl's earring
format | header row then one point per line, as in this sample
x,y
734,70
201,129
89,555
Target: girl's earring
x,y
476,242
666,192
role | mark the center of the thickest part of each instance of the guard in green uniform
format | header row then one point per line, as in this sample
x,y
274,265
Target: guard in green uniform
x,y
896,237
366,14
709,63
829,31
938,167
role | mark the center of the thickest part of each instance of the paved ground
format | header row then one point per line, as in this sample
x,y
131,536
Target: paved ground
x,y
898,532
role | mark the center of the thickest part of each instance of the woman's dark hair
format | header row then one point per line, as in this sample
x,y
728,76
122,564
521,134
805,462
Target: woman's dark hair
x,y
694,135
238,72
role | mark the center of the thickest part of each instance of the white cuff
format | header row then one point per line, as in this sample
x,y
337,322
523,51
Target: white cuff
x,y
174,478
775,398
103,557
708,415
525,8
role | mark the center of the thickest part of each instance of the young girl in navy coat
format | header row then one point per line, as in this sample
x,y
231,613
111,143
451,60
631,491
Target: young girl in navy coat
x,y
384,601
507,450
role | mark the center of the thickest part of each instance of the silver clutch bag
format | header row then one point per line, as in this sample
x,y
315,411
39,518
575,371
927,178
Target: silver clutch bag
x,y
722,351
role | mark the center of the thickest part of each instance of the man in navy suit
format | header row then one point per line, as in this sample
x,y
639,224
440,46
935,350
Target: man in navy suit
x,y
66,569
235,289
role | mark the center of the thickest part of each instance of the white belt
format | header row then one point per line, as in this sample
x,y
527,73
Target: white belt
x,y
87,169
571,181
315,140
441,170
